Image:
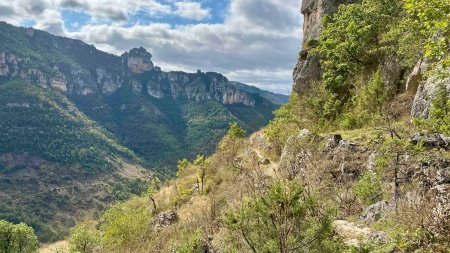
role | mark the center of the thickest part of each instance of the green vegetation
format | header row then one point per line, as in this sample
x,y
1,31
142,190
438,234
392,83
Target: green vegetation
x,y
284,219
83,238
430,17
17,238
44,124
350,43
126,223
368,188
235,131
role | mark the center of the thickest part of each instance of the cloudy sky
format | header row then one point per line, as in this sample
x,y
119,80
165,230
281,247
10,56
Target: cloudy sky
x,y
252,41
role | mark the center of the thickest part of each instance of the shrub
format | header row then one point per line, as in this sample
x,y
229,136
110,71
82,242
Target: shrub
x,y
83,238
126,223
17,238
284,219
368,188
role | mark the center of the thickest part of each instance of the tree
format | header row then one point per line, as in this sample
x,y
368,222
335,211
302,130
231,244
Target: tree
x,y
235,131
350,42
83,238
17,238
201,164
432,18
182,165
126,223
152,189
284,219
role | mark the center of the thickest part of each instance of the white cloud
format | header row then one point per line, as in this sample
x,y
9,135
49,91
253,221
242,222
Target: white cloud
x,y
257,43
191,10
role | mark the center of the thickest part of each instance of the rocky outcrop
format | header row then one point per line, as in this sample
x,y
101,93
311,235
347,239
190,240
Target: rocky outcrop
x,y
415,78
427,92
166,219
374,212
431,141
138,60
354,234
195,87
307,70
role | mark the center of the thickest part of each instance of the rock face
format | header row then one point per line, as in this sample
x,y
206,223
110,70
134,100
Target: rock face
x,y
138,60
110,73
416,76
195,87
308,70
426,92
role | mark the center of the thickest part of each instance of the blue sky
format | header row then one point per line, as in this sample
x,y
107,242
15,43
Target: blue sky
x,y
252,41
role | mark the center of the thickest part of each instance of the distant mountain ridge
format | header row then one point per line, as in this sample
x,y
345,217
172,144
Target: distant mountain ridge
x,y
74,115
96,81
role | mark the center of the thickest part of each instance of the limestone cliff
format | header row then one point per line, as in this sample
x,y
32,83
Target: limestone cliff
x,y
133,69
426,91
307,70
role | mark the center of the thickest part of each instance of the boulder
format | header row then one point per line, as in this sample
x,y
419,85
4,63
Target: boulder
x,y
374,212
166,219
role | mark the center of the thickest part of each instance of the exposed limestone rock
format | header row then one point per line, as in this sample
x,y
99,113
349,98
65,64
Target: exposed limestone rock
x,y
392,74
333,141
374,212
307,70
351,233
136,87
166,219
354,235
35,76
104,79
4,69
59,83
427,92
416,76
294,157
82,82
431,140
138,60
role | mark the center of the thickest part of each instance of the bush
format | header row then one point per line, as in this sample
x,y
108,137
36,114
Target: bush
x,y
126,223
368,188
17,238
284,219
83,238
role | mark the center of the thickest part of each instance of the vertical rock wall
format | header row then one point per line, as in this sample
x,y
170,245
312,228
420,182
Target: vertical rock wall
x,y
308,68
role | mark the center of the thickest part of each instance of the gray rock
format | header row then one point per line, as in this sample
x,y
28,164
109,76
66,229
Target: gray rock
x,y
416,76
430,141
308,70
427,92
379,237
166,219
374,212
333,141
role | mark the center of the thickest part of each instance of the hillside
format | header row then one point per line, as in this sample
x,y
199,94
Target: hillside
x,y
357,161
81,128
55,163
150,111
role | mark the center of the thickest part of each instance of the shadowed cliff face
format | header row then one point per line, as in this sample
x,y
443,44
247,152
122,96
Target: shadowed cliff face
x,y
307,70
